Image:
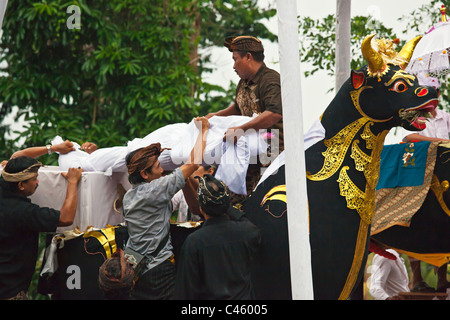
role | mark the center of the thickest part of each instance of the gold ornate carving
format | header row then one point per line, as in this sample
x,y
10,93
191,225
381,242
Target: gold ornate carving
x,y
361,159
106,237
272,196
372,174
367,135
336,149
353,195
439,188
360,248
363,201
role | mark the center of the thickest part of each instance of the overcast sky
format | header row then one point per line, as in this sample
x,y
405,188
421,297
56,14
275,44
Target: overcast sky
x,y
314,88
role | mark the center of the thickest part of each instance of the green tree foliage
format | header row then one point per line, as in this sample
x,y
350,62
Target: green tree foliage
x,y
217,20
318,39
131,67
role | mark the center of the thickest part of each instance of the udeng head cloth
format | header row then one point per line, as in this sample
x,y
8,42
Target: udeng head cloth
x,y
244,43
23,175
144,158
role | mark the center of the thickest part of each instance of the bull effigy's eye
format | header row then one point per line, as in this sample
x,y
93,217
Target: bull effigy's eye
x,y
399,86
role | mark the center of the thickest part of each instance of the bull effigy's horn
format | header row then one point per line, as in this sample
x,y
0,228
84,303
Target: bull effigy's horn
x,y
407,51
374,59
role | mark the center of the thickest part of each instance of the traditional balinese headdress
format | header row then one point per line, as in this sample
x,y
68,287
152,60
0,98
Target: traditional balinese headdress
x,y
212,193
24,175
244,43
144,158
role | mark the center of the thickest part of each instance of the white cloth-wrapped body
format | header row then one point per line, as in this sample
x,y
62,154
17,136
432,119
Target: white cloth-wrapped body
x,y
232,158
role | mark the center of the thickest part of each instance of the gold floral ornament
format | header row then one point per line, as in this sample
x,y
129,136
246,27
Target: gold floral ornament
x,y
363,201
354,196
376,64
337,148
369,136
379,53
360,157
408,157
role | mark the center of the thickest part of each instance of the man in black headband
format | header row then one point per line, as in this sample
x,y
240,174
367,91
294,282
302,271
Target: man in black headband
x,y
147,210
21,222
213,196
215,261
258,92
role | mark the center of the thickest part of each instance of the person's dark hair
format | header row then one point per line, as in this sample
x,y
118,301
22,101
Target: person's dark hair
x,y
257,56
135,177
18,164
213,196
207,167
116,277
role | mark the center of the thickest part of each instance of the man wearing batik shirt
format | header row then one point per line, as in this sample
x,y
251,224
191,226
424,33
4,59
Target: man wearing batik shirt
x,y
258,92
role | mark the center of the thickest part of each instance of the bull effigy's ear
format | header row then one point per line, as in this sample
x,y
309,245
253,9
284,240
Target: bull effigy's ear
x,y
357,79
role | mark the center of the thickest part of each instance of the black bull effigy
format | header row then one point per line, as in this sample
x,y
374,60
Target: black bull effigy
x,y
342,173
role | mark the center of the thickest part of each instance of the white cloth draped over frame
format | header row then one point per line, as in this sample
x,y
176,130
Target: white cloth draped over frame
x,y
233,159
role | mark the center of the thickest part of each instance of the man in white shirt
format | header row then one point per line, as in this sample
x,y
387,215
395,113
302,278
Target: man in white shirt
x,y
389,277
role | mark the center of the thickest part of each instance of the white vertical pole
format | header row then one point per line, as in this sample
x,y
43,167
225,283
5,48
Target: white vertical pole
x,y
343,26
3,4
298,227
